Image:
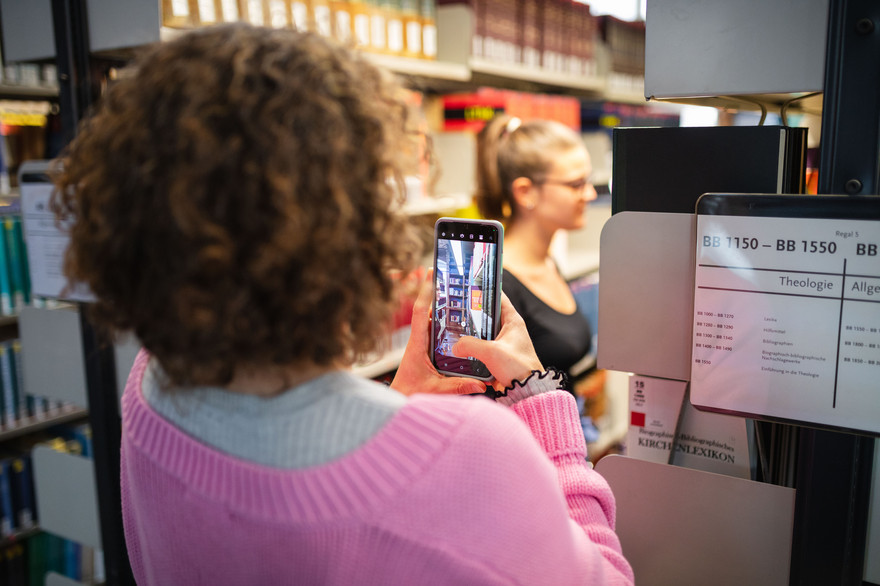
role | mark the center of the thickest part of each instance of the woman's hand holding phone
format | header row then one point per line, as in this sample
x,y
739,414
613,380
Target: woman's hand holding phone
x,y
416,374
510,356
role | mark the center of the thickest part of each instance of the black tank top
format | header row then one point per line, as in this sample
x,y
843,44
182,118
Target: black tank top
x,y
560,339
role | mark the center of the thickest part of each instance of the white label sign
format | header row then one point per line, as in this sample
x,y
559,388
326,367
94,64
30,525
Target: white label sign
x,y
787,319
46,245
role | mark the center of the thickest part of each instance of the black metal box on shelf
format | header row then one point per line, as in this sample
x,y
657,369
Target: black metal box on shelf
x,y
658,175
666,169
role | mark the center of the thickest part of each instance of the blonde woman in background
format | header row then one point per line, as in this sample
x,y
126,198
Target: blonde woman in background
x,y
534,176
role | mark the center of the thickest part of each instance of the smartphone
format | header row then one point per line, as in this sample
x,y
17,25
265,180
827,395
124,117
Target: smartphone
x,y
467,291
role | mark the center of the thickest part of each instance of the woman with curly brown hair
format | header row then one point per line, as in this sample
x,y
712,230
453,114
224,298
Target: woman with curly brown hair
x,y
232,205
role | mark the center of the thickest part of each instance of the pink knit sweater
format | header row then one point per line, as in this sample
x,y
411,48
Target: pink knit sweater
x,y
451,490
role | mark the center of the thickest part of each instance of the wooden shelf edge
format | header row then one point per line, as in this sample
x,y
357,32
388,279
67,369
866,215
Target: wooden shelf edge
x,y
30,425
398,64
625,97
421,67
535,75
19,535
804,102
27,91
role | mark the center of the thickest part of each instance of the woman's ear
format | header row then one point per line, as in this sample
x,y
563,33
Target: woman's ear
x,y
524,193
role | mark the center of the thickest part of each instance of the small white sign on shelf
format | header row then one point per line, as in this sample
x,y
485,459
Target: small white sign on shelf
x,y
46,240
665,428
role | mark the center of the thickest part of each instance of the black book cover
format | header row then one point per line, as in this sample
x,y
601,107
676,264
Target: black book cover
x,y
666,169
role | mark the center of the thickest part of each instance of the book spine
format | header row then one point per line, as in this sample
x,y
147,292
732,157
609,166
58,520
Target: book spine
x,y
55,554
207,12
3,405
21,404
254,14
7,511
229,10
22,248
279,14
72,560
429,28
84,432
6,305
10,407
394,26
16,567
320,18
37,551
28,403
16,278
23,492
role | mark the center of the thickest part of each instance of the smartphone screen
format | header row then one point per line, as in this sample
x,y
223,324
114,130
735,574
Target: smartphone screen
x,y
467,288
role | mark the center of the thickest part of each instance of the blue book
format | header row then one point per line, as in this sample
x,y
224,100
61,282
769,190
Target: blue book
x,y
72,560
10,402
82,434
12,355
7,511
3,406
23,497
27,403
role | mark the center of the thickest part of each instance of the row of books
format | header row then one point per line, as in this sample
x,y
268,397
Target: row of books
x,y
17,499
553,35
26,130
17,408
600,115
18,507
397,27
29,75
27,562
470,111
626,44
15,283
27,554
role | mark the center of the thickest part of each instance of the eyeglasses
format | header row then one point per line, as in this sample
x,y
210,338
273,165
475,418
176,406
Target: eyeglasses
x,y
575,185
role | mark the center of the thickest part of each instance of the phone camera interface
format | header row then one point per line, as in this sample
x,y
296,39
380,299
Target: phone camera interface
x,y
464,293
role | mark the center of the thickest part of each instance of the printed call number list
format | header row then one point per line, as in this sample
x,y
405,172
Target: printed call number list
x,y
787,319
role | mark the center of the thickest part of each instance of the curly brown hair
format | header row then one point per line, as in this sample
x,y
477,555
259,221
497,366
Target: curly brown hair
x,y
232,203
